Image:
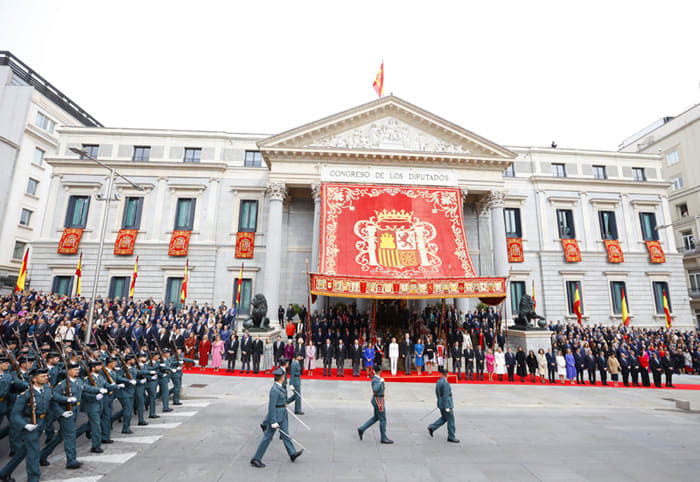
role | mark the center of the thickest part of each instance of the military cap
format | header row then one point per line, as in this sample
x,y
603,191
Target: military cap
x,y
278,372
283,360
37,371
94,364
4,359
143,354
130,356
166,350
110,359
53,354
72,365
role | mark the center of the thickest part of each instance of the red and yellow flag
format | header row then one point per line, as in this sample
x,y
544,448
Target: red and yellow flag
x,y
667,311
183,290
22,278
78,274
577,305
379,81
133,278
625,313
240,283
534,300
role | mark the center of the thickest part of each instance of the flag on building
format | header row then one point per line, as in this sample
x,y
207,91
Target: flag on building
x,y
667,311
22,278
534,300
625,313
240,285
78,274
379,81
577,305
183,291
133,278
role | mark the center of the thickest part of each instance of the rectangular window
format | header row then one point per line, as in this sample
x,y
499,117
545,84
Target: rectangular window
x,y
599,172
648,222
44,122
565,221
509,172
248,217
25,217
192,154
172,291
32,185
683,210
616,290
608,225
694,277
246,289
184,214
517,290
672,158
252,159
688,240
76,215
558,170
661,287
91,149
132,213
18,251
119,286
639,174
512,220
677,183
62,285
142,153
571,295
38,157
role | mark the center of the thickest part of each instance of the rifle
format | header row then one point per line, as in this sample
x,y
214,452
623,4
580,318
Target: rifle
x,y
160,352
177,357
32,401
67,393
37,352
121,360
13,360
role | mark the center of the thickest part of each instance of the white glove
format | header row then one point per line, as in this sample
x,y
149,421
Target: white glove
x,y
448,410
99,396
67,414
275,425
143,380
382,380
103,390
162,365
154,377
30,427
72,400
173,370
132,381
152,372
120,385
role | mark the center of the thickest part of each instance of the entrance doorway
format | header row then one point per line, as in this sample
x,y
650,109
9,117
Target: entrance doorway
x,y
392,315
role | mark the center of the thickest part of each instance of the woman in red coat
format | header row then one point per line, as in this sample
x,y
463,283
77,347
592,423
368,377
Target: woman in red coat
x,y
204,348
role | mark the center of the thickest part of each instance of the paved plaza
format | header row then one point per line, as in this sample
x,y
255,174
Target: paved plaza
x,y
507,433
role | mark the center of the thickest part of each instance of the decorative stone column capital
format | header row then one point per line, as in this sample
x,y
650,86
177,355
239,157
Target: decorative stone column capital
x,y
316,192
277,191
495,199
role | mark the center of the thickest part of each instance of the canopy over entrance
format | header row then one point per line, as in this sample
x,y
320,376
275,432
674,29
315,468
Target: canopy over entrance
x,y
389,241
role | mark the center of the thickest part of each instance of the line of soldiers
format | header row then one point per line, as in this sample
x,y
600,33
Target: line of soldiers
x,y
41,387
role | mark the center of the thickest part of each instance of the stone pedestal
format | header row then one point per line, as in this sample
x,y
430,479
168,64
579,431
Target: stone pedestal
x,y
528,339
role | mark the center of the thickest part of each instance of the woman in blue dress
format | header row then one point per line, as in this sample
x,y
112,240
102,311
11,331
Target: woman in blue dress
x,y
418,349
570,366
369,360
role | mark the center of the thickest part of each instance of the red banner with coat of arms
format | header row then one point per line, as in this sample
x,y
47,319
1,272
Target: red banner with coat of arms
x,y
404,235
179,243
656,252
572,253
515,250
126,240
70,240
614,250
245,244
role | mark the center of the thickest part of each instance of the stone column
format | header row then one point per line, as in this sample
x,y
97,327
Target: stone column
x,y
316,237
461,304
498,234
276,192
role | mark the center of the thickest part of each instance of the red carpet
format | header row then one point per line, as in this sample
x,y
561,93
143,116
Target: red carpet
x,y
414,378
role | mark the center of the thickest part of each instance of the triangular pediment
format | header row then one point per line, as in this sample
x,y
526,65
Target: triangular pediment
x,y
388,124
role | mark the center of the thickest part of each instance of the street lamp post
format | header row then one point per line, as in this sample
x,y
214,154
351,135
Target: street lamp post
x,y
103,231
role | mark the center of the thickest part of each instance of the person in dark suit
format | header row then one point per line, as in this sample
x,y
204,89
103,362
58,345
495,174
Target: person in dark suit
x,y
246,349
341,353
510,364
551,366
602,362
634,369
327,353
580,366
521,364
656,369
356,353
256,352
479,357
468,362
406,354
231,352
278,348
457,360
280,315
667,365
591,366
625,368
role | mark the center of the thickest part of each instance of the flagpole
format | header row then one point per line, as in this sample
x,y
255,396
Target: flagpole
x,y
308,300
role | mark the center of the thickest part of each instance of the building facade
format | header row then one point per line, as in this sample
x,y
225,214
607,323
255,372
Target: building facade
x,y
31,111
219,185
677,141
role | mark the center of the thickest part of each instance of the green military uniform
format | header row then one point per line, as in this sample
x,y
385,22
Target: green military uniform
x,y
142,378
443,391
379,410
92,406
5,381
176,377
152,387
112,382
164,372
18,384
295,381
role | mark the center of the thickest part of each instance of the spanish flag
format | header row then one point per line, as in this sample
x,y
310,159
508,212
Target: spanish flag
x,y
133,278
379,81
534,300
238,291
183,291
79,274
667,311
22,278
625,313
577,305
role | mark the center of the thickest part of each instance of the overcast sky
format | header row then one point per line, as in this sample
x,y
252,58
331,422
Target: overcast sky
x,y
518,73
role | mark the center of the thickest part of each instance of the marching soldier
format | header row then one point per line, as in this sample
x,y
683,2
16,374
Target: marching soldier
x,y
164,371
127,377
295,381
92,404
29,416
142,377
277,419
5,381
112,382
152,384
18,384
379,410
443,391
176,370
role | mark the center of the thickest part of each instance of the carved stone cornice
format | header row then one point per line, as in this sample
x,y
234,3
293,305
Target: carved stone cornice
x,y
316,192
277,191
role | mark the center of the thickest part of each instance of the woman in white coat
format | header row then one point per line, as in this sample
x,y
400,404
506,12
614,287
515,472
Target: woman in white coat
x,y
561,366
500,360
393,355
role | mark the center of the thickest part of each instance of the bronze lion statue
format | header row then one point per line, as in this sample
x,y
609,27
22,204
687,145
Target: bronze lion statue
x,y
526,313
258,318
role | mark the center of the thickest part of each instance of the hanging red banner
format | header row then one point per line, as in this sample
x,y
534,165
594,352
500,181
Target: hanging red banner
x,y
179,243
515,250
126,239
70,240
614,250
656,252
571,251
245,244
